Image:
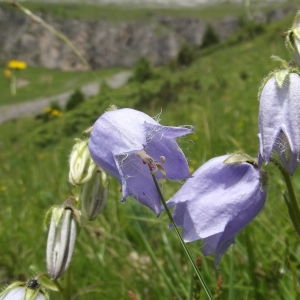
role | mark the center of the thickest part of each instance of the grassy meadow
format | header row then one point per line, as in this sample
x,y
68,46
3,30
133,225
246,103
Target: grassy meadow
x,y
128,252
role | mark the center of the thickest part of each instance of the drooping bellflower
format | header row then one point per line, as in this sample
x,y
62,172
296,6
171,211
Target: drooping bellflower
x,y
217,202
279,119
124,142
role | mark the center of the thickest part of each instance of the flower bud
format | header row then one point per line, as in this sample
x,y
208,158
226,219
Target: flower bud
x,y
23,291
61,240
94,194
293,38
81,163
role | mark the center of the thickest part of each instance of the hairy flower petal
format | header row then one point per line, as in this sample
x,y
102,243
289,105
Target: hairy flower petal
x,y
161,142
117,137
137,181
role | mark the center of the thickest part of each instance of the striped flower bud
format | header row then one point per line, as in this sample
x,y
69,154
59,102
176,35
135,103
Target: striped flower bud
x,y
94,194
81,163
61,240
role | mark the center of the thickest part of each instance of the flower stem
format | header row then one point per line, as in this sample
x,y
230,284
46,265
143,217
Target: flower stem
x,y
187,252
61,290
13,85
290,199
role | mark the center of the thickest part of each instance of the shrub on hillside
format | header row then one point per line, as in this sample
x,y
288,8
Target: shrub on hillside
x,y
142,70
210,37
186,55
75,99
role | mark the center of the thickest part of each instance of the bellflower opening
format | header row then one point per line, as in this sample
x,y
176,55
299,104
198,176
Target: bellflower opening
x,y
279,120
217,202
124,142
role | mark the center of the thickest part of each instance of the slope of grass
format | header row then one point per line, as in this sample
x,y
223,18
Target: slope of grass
x,y
127,252
118,13
34,83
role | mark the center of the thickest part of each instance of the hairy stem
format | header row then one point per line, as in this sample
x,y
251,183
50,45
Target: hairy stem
x,y
61,290
290,198
187,252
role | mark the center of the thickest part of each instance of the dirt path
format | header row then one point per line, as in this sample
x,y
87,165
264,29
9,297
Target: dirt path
x,y
32,108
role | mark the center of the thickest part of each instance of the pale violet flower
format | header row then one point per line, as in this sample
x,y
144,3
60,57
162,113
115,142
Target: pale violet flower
x,y
21,290
124,142
279,119
217,202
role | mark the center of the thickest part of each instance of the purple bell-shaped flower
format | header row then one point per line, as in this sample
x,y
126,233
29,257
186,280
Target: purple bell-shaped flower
x,y
124,142
218,201
279,120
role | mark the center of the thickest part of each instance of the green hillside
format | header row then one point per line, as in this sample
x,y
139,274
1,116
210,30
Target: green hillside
x,y
127,252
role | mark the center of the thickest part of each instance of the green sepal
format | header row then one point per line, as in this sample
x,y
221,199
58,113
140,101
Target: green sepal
x,y
31,294
112,107
239,157
284,64
47,283
57,213
281,76
12,286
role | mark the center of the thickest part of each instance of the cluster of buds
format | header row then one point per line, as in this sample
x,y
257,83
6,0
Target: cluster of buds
x,y
62,233
63,225
91,179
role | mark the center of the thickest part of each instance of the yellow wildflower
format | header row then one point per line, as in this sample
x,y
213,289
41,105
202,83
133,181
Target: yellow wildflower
x,y
16,64
56,113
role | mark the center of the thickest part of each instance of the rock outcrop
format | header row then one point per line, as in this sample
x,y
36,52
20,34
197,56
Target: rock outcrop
x,y
106,44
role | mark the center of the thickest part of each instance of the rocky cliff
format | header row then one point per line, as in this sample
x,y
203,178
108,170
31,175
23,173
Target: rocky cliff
x,y
106,44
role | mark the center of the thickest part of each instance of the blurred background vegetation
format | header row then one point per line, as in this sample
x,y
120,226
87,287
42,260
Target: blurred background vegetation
x,y
127,252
